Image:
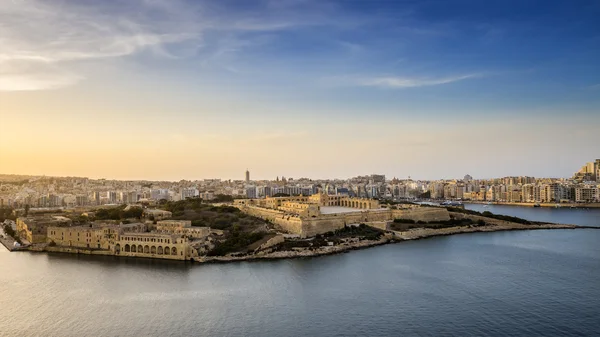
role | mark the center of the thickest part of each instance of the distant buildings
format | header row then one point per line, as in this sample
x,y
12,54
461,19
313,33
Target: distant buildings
x,y
189,193
588,172
69,192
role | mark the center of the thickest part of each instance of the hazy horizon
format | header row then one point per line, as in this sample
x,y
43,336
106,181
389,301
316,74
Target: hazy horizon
x,y
260,178
171,90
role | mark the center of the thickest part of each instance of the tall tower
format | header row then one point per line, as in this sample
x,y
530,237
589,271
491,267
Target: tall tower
x,y
247,176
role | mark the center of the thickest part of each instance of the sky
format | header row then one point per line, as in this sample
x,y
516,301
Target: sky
x,y
170,89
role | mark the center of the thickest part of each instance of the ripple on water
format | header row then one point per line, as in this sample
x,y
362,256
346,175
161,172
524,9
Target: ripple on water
x,y
526,283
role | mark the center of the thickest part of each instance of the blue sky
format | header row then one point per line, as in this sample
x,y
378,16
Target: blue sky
x,y
514,81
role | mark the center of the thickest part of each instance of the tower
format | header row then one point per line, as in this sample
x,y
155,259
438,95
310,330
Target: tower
x,y
247,176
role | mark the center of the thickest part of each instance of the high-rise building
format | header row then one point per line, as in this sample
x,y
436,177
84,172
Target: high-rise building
x,y
247,176
53,200
81,200
97,197
112,197
588,172
586,193
251,192
189,193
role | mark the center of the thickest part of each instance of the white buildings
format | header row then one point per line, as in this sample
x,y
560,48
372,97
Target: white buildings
x,y
189,193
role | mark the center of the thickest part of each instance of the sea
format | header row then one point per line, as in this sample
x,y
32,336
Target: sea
x,y
518,283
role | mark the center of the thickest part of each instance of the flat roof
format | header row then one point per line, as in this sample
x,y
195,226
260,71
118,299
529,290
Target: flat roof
x,y
338,209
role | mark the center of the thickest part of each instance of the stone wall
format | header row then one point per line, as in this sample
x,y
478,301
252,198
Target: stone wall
x,y
427,214
332,222
285,222
311,226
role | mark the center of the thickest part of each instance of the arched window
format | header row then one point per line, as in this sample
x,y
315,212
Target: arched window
x,y
127,248
167,251
173,251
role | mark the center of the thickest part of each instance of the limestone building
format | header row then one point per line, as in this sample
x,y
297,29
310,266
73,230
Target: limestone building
x,y
35,229
124,240
184,228
322,213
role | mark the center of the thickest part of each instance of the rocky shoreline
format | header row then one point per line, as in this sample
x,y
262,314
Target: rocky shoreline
x,y
388,238
391,237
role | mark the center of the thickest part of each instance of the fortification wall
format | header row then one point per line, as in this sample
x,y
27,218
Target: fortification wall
x,y
383,225
331,222
285,222
427,214
311,226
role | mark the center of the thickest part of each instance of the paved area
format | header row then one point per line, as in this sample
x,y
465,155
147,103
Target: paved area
x,y
338,209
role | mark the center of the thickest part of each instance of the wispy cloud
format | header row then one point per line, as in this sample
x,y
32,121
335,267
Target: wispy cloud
x,y
40,41
407,82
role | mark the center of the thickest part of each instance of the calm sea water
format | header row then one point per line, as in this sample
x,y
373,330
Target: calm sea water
x,y
575,216
525,283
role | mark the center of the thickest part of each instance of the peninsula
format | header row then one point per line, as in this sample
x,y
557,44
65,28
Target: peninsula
x,y
216,221
246,229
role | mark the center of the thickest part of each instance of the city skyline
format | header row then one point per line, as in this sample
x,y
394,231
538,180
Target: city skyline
x,y
247,174
170,90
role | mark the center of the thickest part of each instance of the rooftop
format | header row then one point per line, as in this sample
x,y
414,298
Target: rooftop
x,y
338,209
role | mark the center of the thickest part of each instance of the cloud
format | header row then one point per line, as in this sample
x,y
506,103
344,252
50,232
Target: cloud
x,y
37,81
40,40
42,43
407,82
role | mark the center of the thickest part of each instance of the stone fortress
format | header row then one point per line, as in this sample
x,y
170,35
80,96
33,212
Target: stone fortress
x,y
321,213
167,239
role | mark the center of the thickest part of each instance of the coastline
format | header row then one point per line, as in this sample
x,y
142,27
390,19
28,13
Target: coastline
x,y
529,204
389,238
392,237
6,245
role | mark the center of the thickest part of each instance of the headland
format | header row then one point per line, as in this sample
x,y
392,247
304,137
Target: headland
x,y
254,229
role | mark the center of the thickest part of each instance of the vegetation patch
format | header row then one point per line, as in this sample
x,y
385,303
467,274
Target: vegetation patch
x,y
118,213
10,232
222,217
488,214
236,242
361,232
406,225
6,213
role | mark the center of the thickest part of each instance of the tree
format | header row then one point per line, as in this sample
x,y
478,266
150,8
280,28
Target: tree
x,y
426,195
26,209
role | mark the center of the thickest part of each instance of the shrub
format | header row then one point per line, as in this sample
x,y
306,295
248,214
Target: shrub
x,y
404,221
235,243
